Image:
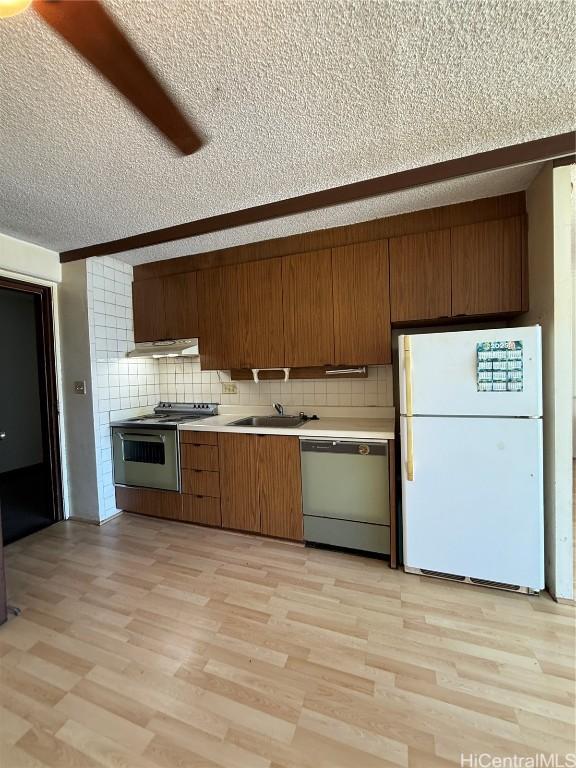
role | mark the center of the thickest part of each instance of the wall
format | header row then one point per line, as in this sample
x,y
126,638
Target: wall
x,y
80,454
548,204
181,379
122,387
96,322
27,259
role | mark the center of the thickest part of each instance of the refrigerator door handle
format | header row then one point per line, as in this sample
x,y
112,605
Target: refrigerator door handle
x,y
409,409
408,375
409,449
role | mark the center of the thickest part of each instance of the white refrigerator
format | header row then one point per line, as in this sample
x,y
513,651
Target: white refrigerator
x,y
471,445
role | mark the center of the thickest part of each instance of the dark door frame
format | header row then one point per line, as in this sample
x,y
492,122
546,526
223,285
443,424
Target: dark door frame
x,y
48,384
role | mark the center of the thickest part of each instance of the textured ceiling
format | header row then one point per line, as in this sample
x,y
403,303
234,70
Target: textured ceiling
x,y
293,95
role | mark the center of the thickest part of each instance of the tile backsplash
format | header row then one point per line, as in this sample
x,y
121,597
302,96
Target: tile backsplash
x,y
182,380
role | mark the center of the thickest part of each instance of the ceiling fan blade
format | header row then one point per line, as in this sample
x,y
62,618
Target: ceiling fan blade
x,y
87,26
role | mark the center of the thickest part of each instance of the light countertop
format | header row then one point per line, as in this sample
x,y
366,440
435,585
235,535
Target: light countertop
x,y
327,426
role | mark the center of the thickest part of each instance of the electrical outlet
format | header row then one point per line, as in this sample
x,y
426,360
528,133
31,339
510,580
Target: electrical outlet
x,y
229,388
80,387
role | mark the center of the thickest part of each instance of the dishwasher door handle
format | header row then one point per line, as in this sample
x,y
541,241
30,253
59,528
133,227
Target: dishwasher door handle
x,y
347,447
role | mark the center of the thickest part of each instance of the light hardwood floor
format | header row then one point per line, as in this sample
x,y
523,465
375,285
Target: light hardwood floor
x,y
148,644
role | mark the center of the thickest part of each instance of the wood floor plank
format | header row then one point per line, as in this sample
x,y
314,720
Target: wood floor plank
x,y
152,644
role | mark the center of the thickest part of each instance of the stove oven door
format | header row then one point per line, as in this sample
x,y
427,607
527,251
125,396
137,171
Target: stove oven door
x,y
146,458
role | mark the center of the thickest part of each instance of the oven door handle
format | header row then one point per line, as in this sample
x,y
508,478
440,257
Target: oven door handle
x,y
141,437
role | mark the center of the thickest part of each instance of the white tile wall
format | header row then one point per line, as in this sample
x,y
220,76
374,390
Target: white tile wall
x,y
120,386
182,379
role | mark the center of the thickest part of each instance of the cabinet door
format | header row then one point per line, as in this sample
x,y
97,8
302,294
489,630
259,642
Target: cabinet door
x,y
239,481
487,267
148,307
420,276
181,306
361,304
260,313
221,338
308,308
280,489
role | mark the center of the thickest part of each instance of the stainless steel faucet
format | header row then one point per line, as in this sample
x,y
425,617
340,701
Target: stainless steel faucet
x,y
279,408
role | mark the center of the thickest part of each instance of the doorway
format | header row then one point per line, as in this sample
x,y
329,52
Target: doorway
x,y
30,472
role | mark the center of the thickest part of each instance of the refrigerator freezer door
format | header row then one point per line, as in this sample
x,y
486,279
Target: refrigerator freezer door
x,y
444,374
475,506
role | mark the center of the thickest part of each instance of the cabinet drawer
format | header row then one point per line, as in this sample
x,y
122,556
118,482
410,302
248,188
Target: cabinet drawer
x,y
198,438
201,509
199,457
144,501
201,482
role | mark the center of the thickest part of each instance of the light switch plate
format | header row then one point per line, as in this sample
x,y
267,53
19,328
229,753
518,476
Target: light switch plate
x,y
80,387
229,388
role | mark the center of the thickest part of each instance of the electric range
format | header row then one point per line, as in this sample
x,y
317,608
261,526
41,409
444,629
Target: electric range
x,y
146,448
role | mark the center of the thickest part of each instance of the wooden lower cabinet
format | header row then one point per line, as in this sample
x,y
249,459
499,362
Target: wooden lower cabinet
x,y
199,457
201,509
260,484
201,483
145,501
252,484
280,486
239,482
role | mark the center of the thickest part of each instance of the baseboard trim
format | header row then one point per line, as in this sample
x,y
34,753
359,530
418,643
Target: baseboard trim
x,y
563,600
89,521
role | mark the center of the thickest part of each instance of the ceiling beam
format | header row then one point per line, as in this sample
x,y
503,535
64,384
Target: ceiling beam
x,y
539,150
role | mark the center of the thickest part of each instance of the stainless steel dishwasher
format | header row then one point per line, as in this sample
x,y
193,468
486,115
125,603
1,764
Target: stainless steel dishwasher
x,y
346,493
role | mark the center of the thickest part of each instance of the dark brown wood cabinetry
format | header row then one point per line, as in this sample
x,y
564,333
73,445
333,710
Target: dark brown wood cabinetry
x,y
166,308
239,490
487,264
241,323
181,306
420,277
148,308
261,323
280,488
335,305
200,478
361,304
308,309
260,484
220,339
146,501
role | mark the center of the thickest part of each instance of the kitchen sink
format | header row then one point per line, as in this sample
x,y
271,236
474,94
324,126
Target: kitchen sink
x,y
268,421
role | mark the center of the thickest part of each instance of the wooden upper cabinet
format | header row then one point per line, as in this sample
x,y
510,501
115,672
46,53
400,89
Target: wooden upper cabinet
x,y
487,267
239,487
280,486
361,304
221,339
148,308
165,308
261,322
181,306
420,277
308,309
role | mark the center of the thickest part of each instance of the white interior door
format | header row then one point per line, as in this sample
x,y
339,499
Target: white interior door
x,y
444,374
475,506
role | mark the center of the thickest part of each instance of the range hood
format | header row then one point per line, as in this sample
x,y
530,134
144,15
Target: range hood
x,y
179,348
